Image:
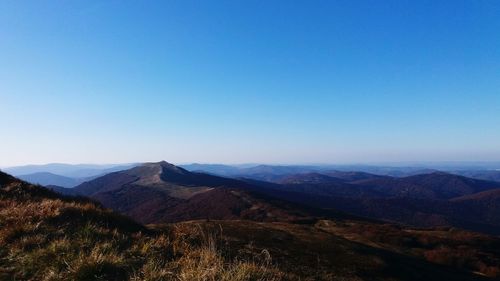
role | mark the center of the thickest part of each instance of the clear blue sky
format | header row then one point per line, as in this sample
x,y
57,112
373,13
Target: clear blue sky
x,y
249,81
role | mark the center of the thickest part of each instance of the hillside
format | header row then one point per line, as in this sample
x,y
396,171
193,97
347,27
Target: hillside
x,y
484,205
162,192
479,212
489,175
428,200
437,185
434,186
48,237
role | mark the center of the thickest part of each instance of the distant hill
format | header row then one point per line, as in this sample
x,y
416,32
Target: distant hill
x,y
350,176
61,190
45,178
276,172
68,170
308,178
216,169
437,185
336,189
258,172
489,175
471,215
484,205
155,193
436,199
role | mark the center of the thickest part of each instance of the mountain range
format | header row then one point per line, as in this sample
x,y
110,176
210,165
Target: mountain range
x,y
68,170
46,178
162,193
67,175
46,235
484,171
427,200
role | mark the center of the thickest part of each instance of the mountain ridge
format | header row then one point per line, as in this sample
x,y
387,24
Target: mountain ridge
x,y
163,192
46,235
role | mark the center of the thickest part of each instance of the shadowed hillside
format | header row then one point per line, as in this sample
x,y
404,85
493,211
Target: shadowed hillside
x,y
436,185
436,199
44,236
48,237
162,192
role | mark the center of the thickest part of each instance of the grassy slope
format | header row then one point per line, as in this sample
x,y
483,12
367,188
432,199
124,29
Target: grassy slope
x,y
47,237
352,250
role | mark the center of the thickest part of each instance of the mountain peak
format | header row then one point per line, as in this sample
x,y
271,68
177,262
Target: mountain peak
x,y
164,167
441,173
155,172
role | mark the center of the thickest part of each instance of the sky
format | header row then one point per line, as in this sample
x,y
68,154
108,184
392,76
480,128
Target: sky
x,y
249,81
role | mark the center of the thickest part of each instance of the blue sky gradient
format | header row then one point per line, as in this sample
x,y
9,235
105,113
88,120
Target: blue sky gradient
x,y
249,81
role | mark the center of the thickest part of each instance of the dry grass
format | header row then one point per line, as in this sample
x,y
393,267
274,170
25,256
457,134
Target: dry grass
x,y
44,238
446,246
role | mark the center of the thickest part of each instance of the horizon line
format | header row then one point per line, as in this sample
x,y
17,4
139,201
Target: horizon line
x,y
367,163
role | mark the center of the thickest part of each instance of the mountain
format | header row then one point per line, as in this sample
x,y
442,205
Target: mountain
x,y
484,205
489,175
256,172
472,214
434,186
429,200
277,170
46,236
484,171
45,178
329,189
162,192
397,171
216,169
448,186
422,212
274,173
308,178
61,190
437,185
68,170
350,176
